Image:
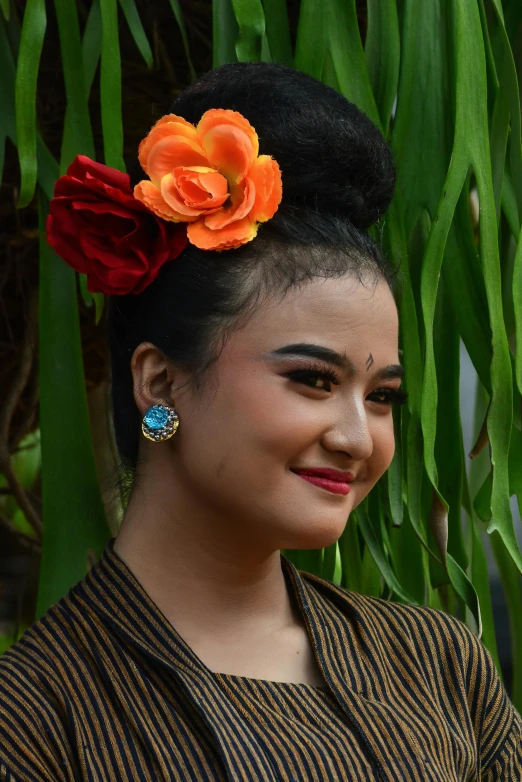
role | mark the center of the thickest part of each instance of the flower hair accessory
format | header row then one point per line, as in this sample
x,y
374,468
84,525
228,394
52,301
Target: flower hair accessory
x,y
209,177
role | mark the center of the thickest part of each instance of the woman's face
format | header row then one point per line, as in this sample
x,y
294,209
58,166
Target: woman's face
x,y
307,385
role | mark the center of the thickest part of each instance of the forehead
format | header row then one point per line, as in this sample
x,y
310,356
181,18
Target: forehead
x,y
341,313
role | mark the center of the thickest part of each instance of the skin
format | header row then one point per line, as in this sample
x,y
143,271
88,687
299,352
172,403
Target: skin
x,y
212,506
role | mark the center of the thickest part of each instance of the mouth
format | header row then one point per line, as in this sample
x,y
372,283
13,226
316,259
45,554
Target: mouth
x,y
334,481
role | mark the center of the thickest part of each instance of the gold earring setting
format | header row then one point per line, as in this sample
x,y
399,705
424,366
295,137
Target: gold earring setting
x,y
159,423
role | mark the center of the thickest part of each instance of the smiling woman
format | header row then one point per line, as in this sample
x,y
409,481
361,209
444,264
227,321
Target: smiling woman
x,y
263,378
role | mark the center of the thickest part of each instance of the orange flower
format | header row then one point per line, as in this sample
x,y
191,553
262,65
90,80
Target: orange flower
x,y
210,176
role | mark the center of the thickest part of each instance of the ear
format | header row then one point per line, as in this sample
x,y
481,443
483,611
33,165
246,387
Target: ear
x,y
153,377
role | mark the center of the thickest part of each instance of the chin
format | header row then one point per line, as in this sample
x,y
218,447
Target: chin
x,y
317,534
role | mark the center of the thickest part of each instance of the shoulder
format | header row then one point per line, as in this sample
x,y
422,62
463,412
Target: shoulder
x,y
33,709
428,633
449,653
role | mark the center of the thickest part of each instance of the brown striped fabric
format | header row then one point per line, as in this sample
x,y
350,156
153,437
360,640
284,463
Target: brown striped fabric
x,y
103,688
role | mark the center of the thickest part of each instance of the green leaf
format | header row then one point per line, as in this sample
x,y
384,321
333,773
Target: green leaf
x,y
382,55
423,125
449,452
77,109
73,514
517,305
330,570
91,48
47,168
176,10
512,584
278,31
31,42
466,291
408,559
350,553
251,23
5,7
480,579
333,27
110,86
379,556
138,33
224,33
472,135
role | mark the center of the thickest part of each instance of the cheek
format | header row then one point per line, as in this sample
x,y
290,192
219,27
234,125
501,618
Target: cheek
x,y
252,422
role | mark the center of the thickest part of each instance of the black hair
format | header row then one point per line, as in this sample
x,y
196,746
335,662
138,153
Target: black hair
x,y
338,179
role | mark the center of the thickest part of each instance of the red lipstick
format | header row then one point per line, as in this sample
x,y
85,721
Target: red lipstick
x,y
333,481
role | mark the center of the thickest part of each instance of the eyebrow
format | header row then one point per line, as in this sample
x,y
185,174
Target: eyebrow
x,y
341,360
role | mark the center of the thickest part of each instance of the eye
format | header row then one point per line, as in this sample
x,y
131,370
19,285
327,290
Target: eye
x,y
389,396
319,379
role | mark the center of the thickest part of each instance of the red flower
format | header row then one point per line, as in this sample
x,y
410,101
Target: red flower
x,y
98,227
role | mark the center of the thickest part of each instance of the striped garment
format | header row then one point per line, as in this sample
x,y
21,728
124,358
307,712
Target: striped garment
x,y
103,688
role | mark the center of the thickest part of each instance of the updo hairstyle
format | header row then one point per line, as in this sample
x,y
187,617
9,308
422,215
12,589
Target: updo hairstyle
x,y
338,179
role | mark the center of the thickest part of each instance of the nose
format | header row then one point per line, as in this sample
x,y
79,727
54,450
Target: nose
x,y
350,432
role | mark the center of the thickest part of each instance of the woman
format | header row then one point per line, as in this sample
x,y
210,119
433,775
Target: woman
x,y
253,382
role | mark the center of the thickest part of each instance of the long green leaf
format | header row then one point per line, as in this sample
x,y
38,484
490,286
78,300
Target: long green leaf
x,y
70,490
517,305
91,48
251,23
278,31
350,553
512,583
33,31
77,109
176,10
472,130
110,86
449,452
382,55
332,27
379,556
224,33
138,33
423,126
480,579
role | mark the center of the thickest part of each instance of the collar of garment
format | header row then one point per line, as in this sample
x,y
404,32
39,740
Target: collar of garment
x,y
114,593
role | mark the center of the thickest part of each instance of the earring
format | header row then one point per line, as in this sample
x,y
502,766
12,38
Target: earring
x,y
159,423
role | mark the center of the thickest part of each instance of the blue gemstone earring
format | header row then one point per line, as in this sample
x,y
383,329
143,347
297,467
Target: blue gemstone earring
x,y
159,423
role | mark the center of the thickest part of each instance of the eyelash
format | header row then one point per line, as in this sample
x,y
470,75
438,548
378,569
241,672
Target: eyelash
x,y
391,395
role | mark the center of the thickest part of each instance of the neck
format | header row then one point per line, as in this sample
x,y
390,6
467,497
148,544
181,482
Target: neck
x,y
204,572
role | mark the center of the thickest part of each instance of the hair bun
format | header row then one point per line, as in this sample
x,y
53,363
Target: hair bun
x,y
333,158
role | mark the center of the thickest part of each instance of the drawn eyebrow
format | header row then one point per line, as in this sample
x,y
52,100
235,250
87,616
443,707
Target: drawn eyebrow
x,y
316,351
341,360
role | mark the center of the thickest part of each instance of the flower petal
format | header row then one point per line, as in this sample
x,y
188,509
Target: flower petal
x,y
242,199
150,195
175,202
266,177
170,152
83,168
201,188
214,117
170,125
230,236
230,150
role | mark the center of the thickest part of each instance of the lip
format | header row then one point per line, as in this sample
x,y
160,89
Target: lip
x,y
334,481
